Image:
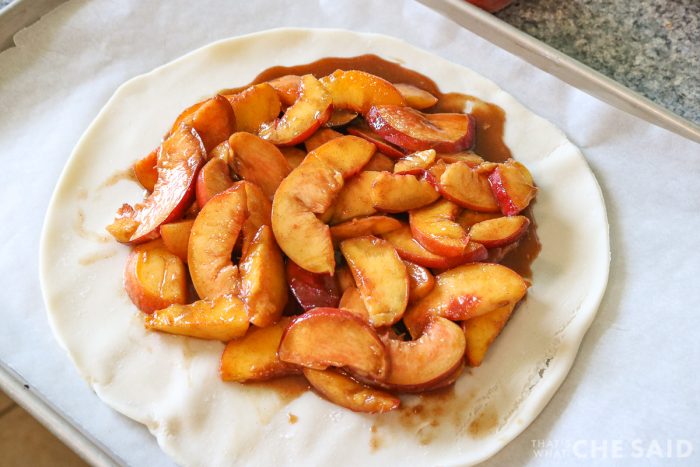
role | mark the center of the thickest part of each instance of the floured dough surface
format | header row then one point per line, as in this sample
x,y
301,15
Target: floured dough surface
x,y
171,384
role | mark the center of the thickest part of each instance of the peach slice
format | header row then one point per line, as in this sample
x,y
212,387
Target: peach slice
x,y
481,331
214,120
213,236
435,228
467,217
309,190
287,87
416,97
312,290
146,170
499,232
326,337
409,249
380,276
466,187
341,117
294,155
154,277
415,160
176,237
346,392
354,200
263,281
258,161
512,186
222,151
465,292
222,318
322,136
380,163
415,131
213,178
372,225
344,278
470,158
420,281
254,106
358,91
384,147
179,158
259,212
423,362
401,192
352,302
253,357
311,110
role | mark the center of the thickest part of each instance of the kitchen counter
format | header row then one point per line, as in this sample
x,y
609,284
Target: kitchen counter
x,y
650,46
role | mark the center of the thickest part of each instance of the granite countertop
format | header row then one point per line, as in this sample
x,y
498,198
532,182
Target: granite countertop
x,y
650,46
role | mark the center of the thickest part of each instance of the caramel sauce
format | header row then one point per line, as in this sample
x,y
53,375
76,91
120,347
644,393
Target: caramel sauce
x,y
118,176
292,418
83,232
95,257
287,388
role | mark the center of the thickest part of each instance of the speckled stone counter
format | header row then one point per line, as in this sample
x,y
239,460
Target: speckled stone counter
x,y
650,46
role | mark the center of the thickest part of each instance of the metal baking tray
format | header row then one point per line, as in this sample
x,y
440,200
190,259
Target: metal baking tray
x,y
22,13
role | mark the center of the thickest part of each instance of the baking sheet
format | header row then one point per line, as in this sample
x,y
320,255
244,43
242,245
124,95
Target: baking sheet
x,y
632,371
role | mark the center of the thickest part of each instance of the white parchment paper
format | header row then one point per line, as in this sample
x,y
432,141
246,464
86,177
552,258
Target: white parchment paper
x,y
633,384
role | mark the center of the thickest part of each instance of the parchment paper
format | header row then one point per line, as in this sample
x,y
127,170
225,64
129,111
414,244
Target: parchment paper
x,y
634,381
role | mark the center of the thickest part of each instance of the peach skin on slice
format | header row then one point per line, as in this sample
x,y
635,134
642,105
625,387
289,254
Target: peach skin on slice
x,y
312,290
325,337
344,391
512,186
413,130
354,200
213,178
365,132
310,189
179,158
423,362
258,161
321,136
146,170
213,236
415,160
466,187
420,281
372,225
358,91
380,276
466,292
263,281
399,192
352,302
222,318
154,277
416,97
409,249
253,357
254,106
176,237
481,331
311,110
435,228
499,232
